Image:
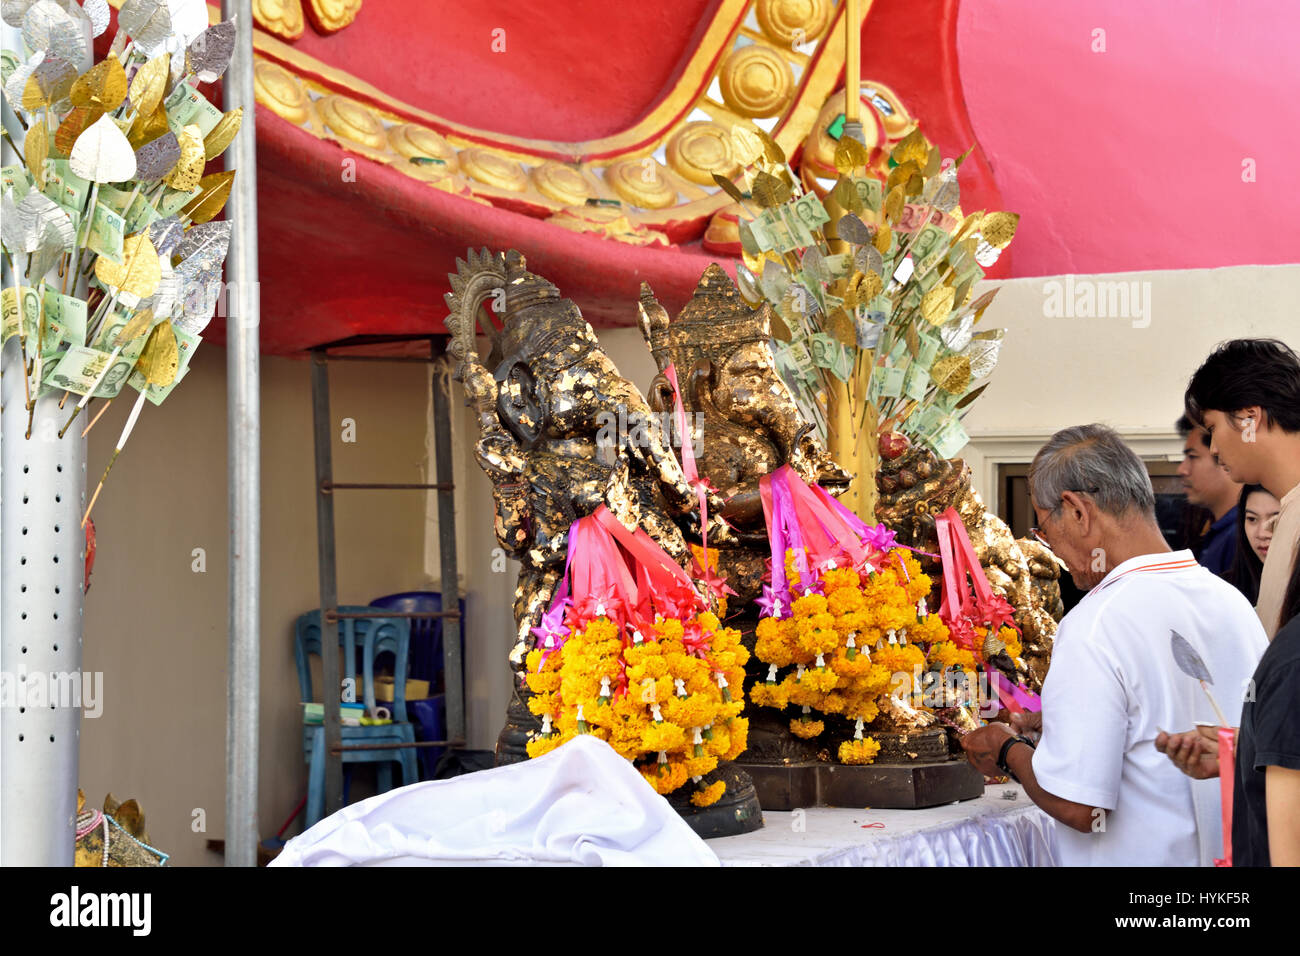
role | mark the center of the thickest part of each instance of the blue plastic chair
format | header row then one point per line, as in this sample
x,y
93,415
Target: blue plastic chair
x,y
367,639
429,716
426,633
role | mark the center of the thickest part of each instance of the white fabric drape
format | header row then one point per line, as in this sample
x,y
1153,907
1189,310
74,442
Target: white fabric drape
x,y
581,804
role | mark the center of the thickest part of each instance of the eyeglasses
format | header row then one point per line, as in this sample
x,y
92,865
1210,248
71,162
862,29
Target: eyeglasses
x,y
1034,532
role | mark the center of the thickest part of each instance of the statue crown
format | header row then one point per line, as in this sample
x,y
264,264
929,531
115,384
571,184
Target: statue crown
x,y
716,314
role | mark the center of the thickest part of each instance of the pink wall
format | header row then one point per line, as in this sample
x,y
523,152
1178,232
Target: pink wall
x,y
1132,158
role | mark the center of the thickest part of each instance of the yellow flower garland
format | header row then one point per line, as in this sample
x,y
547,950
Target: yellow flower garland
x,y
672,713
845,646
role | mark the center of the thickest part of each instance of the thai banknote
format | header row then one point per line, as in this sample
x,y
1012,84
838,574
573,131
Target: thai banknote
x,y
68,313
105,233
78,370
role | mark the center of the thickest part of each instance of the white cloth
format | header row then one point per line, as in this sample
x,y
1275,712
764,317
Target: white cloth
x,y
580,804
1113,685
1001,828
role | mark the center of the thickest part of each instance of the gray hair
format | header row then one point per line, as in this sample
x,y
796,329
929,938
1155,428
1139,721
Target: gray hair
x,y
1091,459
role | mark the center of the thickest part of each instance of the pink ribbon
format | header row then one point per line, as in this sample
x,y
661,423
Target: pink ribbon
x,y
1227,773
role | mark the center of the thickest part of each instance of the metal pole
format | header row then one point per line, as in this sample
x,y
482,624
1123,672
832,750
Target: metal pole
x,y
42,489
330,634
451,626
243,438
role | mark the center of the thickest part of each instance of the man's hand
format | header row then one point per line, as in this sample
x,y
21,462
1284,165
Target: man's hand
x,y
1028,723
1192,752
982,747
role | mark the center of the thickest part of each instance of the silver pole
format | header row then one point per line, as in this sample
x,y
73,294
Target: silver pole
x,y
244,446
42,488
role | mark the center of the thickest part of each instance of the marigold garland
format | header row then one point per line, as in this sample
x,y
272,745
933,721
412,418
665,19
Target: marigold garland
x,y
674,713
838,651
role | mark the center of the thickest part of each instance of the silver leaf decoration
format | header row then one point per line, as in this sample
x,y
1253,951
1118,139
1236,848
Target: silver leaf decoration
x,y
210,53
97,10
166,234
48,26
12,11
957,333
208,240
155,159
868,259
1187,659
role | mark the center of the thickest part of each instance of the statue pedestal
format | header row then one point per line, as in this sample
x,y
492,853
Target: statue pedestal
x,y
886,786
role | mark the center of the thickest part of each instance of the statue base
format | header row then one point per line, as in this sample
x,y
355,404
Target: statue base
x,y
885,786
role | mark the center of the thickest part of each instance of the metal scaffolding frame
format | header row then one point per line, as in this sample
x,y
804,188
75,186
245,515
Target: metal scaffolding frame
x,y
326,486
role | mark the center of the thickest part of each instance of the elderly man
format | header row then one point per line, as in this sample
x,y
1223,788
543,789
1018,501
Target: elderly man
x,y
1113,681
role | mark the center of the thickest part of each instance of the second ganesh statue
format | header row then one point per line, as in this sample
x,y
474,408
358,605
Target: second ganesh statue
x,y
546,396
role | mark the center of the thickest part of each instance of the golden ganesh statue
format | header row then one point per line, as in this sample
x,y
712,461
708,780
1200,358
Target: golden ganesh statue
x,y
548,400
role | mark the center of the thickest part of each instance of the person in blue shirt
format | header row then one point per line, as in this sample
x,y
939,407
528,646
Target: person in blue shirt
x,y
1208,486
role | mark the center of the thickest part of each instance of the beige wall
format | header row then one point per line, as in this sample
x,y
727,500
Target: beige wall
x,y
158,629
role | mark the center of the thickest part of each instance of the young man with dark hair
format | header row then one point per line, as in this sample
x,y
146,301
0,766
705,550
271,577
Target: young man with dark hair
x,y
1247,396
1208,486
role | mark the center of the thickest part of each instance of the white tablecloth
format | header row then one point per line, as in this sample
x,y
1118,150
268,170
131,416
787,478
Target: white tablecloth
x,y
1001,828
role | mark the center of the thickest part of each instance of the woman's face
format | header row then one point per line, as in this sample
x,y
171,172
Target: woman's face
x,y
1261,515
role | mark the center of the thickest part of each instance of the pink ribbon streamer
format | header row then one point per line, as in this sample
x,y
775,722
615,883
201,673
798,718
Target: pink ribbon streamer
x,y
1227,772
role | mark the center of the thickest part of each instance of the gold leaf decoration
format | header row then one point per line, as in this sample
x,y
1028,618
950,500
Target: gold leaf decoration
x,y
894,203
768,191
839,325
214,191
149,84
775,154
35,148
160,358
223,134
937,303
967,399
912,340
73,125
102,87
883,240
912,148
870,286
846,196
746,145
780,331
850,155
933,163
728,187
951,374
899,175
140,324
139,272
187,172
148,128
999,228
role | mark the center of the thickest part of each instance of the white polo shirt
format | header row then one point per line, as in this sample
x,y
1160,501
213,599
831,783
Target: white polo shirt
x,y
1113,685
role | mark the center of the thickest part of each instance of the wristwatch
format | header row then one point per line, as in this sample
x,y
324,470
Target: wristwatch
x,y
1006,748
